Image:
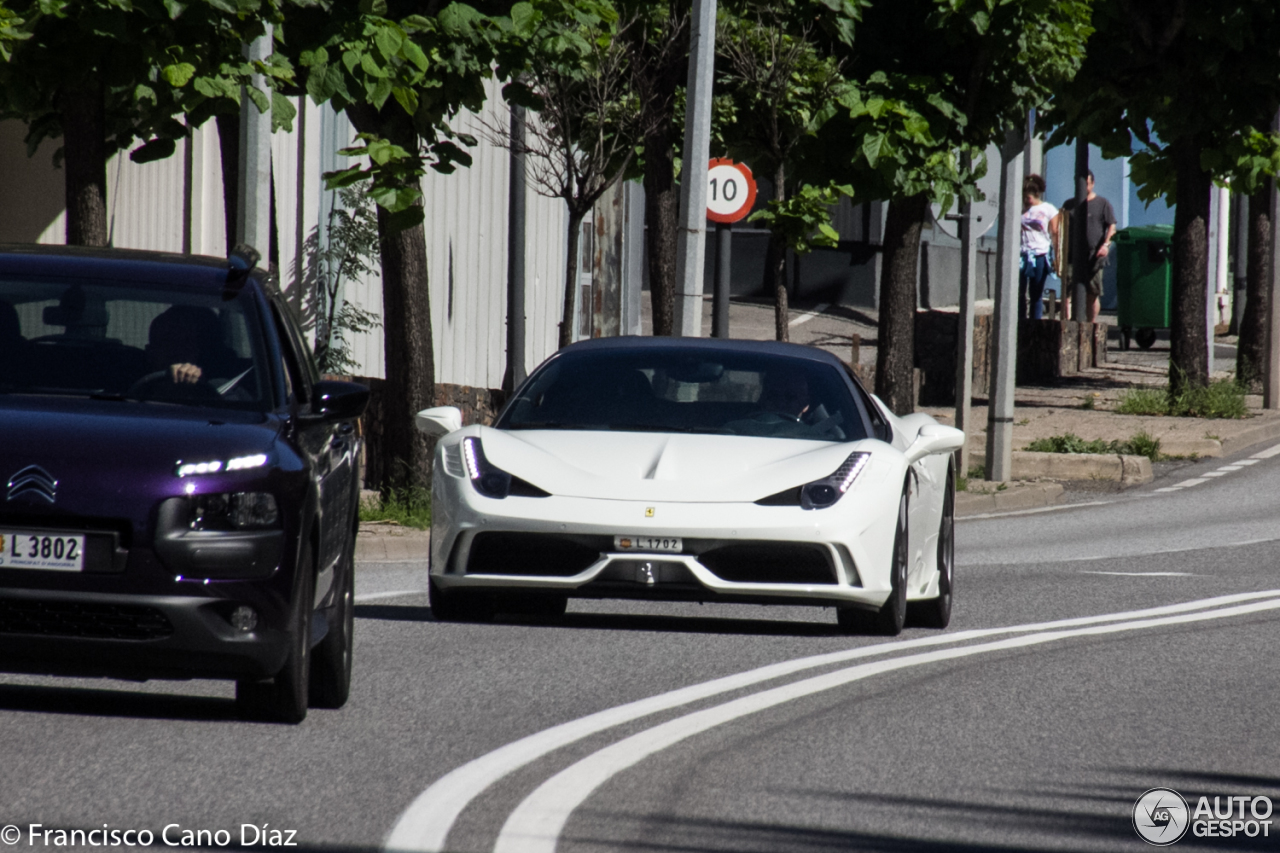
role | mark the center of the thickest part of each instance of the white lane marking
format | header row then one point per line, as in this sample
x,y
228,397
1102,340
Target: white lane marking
x,y
1197,481
395,593
425,824
1246,462
809,315
536,824
1219,472
1266,454
1036,511
1143,574
1168,489
1086,559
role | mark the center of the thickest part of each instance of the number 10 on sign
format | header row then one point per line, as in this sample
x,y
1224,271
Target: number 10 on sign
x,y
731,191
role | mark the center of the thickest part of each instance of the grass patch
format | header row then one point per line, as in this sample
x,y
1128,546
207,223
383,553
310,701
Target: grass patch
x,y
1219,399
408,507
1143,401
962,484
1138,444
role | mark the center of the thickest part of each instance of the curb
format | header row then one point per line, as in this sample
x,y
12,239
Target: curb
x,y
1032,496
394,545
1032,465
1249,437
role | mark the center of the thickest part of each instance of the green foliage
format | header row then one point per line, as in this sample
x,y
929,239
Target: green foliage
x,y
1222,398
349,250
401,78
410,507
1143,401
162,66
570,61
804,219
1139,444
1151,74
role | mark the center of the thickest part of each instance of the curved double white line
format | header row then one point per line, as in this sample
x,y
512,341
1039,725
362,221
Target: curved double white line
x,y
536,824
425,825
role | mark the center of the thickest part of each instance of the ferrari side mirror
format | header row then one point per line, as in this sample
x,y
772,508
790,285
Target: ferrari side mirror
x,y
934,438
439,421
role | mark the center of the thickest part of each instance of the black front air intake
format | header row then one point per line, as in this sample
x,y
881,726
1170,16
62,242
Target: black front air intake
x,y
770,562
539,554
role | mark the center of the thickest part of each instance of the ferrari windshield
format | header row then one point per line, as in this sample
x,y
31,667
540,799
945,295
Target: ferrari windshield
x,y
131,341
694,390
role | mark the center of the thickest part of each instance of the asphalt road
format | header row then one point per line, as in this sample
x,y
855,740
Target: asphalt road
x,y
1038,738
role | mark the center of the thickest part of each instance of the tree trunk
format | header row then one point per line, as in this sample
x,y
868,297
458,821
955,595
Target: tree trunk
x,y
1252,352
895,352
1188,343
571,276
229,148
775,267
84,133
408,354
661,212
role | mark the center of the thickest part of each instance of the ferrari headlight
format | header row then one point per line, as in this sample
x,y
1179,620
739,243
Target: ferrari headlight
x,y
821,494
488,480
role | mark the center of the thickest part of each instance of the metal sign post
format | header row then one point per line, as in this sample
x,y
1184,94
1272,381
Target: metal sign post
x,y
731,193
691,238
1000,401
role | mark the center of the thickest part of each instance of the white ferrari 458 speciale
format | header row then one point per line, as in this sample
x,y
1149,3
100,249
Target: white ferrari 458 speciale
x,y
686,469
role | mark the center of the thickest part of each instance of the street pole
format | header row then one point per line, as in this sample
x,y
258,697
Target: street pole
x,y
691,239
1240,253
720,305
253,194
1079,251
999,463
516,188
1218,284
964,329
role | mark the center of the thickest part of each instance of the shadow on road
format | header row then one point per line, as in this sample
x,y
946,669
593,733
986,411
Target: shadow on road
x,y
115,703
1094,818
622,622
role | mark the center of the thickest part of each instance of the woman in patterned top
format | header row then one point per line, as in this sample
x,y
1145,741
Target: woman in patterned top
x,y
1039,232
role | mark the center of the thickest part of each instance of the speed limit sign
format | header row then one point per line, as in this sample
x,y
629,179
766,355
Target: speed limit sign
x,y
731,190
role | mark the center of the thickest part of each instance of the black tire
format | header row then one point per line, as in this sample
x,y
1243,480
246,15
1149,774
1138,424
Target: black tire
x,y
283,698
936,612
331,659
460,605
889,619
1145,338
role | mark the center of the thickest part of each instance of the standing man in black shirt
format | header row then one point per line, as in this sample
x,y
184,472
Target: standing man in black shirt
x,y
1100,227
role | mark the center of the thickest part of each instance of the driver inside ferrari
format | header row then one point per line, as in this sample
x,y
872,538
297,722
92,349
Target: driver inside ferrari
x,y
785,392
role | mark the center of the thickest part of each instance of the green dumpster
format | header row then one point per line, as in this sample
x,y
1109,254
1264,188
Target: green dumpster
x,y
1144,278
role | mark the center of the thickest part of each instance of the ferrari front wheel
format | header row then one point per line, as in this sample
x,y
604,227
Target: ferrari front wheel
x,y
892,615
936,612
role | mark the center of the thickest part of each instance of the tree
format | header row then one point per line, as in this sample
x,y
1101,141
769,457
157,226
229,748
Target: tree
x,y
658,55
142,70
348,249
588,122
938,78
402,73
776,91
1153,81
